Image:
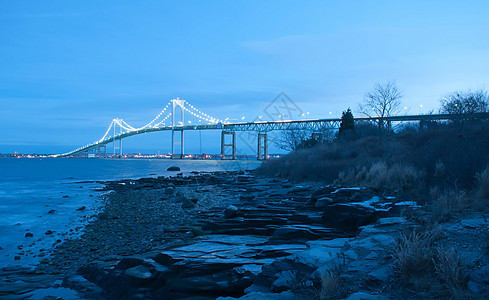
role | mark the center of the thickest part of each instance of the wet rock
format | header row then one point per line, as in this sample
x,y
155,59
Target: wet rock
x,y
29,234
169,190
49,232
173,168
52,211
81,208
16,257
66,196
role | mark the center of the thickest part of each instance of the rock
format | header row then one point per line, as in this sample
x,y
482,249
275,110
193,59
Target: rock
x,y
169,190
348,217
480,276
299,232
365,296
189,203
80,284
129,262
286,281
231,212
474,223
51,211
173,168
377,278
29,234
81,208
16,257
323,201
66,196
49,232
139,272
244,198
288,295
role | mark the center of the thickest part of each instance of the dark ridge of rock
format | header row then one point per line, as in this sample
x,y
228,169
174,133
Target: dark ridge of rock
x,y
250,236
348,217
173,168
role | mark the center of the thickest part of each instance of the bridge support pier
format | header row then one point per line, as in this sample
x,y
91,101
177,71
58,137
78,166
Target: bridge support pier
x,y
181,155
262,146
224,145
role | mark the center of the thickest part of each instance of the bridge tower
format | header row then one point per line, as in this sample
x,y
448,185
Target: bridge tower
x,y
262,146
114,140
177,103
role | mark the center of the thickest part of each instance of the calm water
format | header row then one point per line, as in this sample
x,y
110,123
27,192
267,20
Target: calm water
x,y
31,188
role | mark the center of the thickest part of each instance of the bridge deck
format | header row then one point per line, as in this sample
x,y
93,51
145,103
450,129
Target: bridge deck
x,y
266,126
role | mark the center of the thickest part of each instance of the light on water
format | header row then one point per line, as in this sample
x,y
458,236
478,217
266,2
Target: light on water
x,y
40,196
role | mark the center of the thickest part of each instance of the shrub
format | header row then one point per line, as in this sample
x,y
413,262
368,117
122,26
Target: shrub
x,y
380,176
451,272
413,259
447,204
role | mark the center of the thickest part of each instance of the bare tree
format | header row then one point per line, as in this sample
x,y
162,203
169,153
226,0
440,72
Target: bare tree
x,y
289,140
383,101
465,102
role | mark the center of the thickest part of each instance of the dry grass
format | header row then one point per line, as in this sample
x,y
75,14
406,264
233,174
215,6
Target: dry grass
x,y
483,183
447,204
422,266
452,273
407,160
413,259
381,176
331,281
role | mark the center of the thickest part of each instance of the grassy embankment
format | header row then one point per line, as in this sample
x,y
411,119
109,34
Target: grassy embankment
x,y
443,166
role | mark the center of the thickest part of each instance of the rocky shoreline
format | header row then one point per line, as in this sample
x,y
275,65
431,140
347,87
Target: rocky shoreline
x,y
230,235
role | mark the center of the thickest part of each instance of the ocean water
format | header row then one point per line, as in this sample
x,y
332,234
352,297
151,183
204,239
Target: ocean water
x,y
42,195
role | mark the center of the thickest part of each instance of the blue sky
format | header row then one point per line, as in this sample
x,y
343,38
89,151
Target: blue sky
x,y
67,68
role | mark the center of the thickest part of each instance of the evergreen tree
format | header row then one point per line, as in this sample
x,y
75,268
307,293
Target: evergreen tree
x,y
347,121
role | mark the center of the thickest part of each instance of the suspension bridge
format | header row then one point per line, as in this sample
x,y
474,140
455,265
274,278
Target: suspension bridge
x,y
167,120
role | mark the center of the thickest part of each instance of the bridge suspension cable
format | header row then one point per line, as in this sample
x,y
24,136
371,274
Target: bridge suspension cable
x,y
201,115
156,123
